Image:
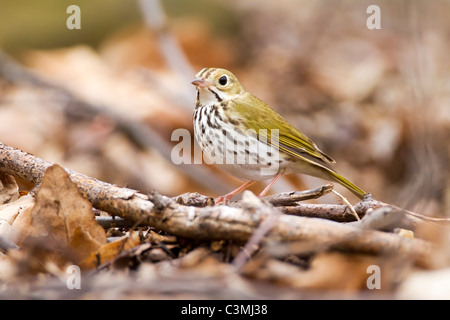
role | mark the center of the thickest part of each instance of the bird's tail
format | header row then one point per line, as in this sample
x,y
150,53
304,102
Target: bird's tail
x,y
349,185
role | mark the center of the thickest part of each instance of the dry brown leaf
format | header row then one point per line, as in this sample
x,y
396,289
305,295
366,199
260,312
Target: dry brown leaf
x,y
14,218
60,227
9,191
111,250
63,215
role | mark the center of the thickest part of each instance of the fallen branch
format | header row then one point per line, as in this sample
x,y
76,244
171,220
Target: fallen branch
x,y
289,203
216,222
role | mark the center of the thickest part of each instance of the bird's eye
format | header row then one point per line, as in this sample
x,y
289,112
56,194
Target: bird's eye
x,y
223,80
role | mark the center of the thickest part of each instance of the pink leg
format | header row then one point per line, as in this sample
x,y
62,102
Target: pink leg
x,y
278,176
230,195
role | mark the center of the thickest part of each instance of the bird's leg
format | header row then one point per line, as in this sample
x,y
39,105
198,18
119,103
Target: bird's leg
x,y
278,176
230,195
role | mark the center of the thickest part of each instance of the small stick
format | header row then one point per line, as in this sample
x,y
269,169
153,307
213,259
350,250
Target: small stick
x,y
291,198
352,211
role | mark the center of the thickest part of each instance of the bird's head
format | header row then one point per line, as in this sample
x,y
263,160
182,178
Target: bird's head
x,y
216,85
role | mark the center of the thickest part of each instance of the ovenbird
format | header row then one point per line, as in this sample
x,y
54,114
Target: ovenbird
x,y
251,141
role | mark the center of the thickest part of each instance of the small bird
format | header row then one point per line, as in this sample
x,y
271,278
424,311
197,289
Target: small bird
x,y
250,140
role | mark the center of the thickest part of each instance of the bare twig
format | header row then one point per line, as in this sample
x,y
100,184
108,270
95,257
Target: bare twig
x,y
156,20
349,206
194,199
15,73
384,218
110,222
292,198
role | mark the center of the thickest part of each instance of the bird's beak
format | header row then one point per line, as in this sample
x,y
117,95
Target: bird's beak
x,y
201,83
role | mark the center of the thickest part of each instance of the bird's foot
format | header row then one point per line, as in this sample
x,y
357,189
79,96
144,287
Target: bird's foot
x,y
223,199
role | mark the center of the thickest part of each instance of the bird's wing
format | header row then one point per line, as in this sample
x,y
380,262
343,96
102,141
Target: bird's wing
x,y
258,115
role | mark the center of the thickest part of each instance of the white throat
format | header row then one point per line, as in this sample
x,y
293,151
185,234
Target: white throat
x,y
209,96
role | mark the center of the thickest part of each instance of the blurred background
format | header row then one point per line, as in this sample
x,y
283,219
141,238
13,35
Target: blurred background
x,y
104,100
